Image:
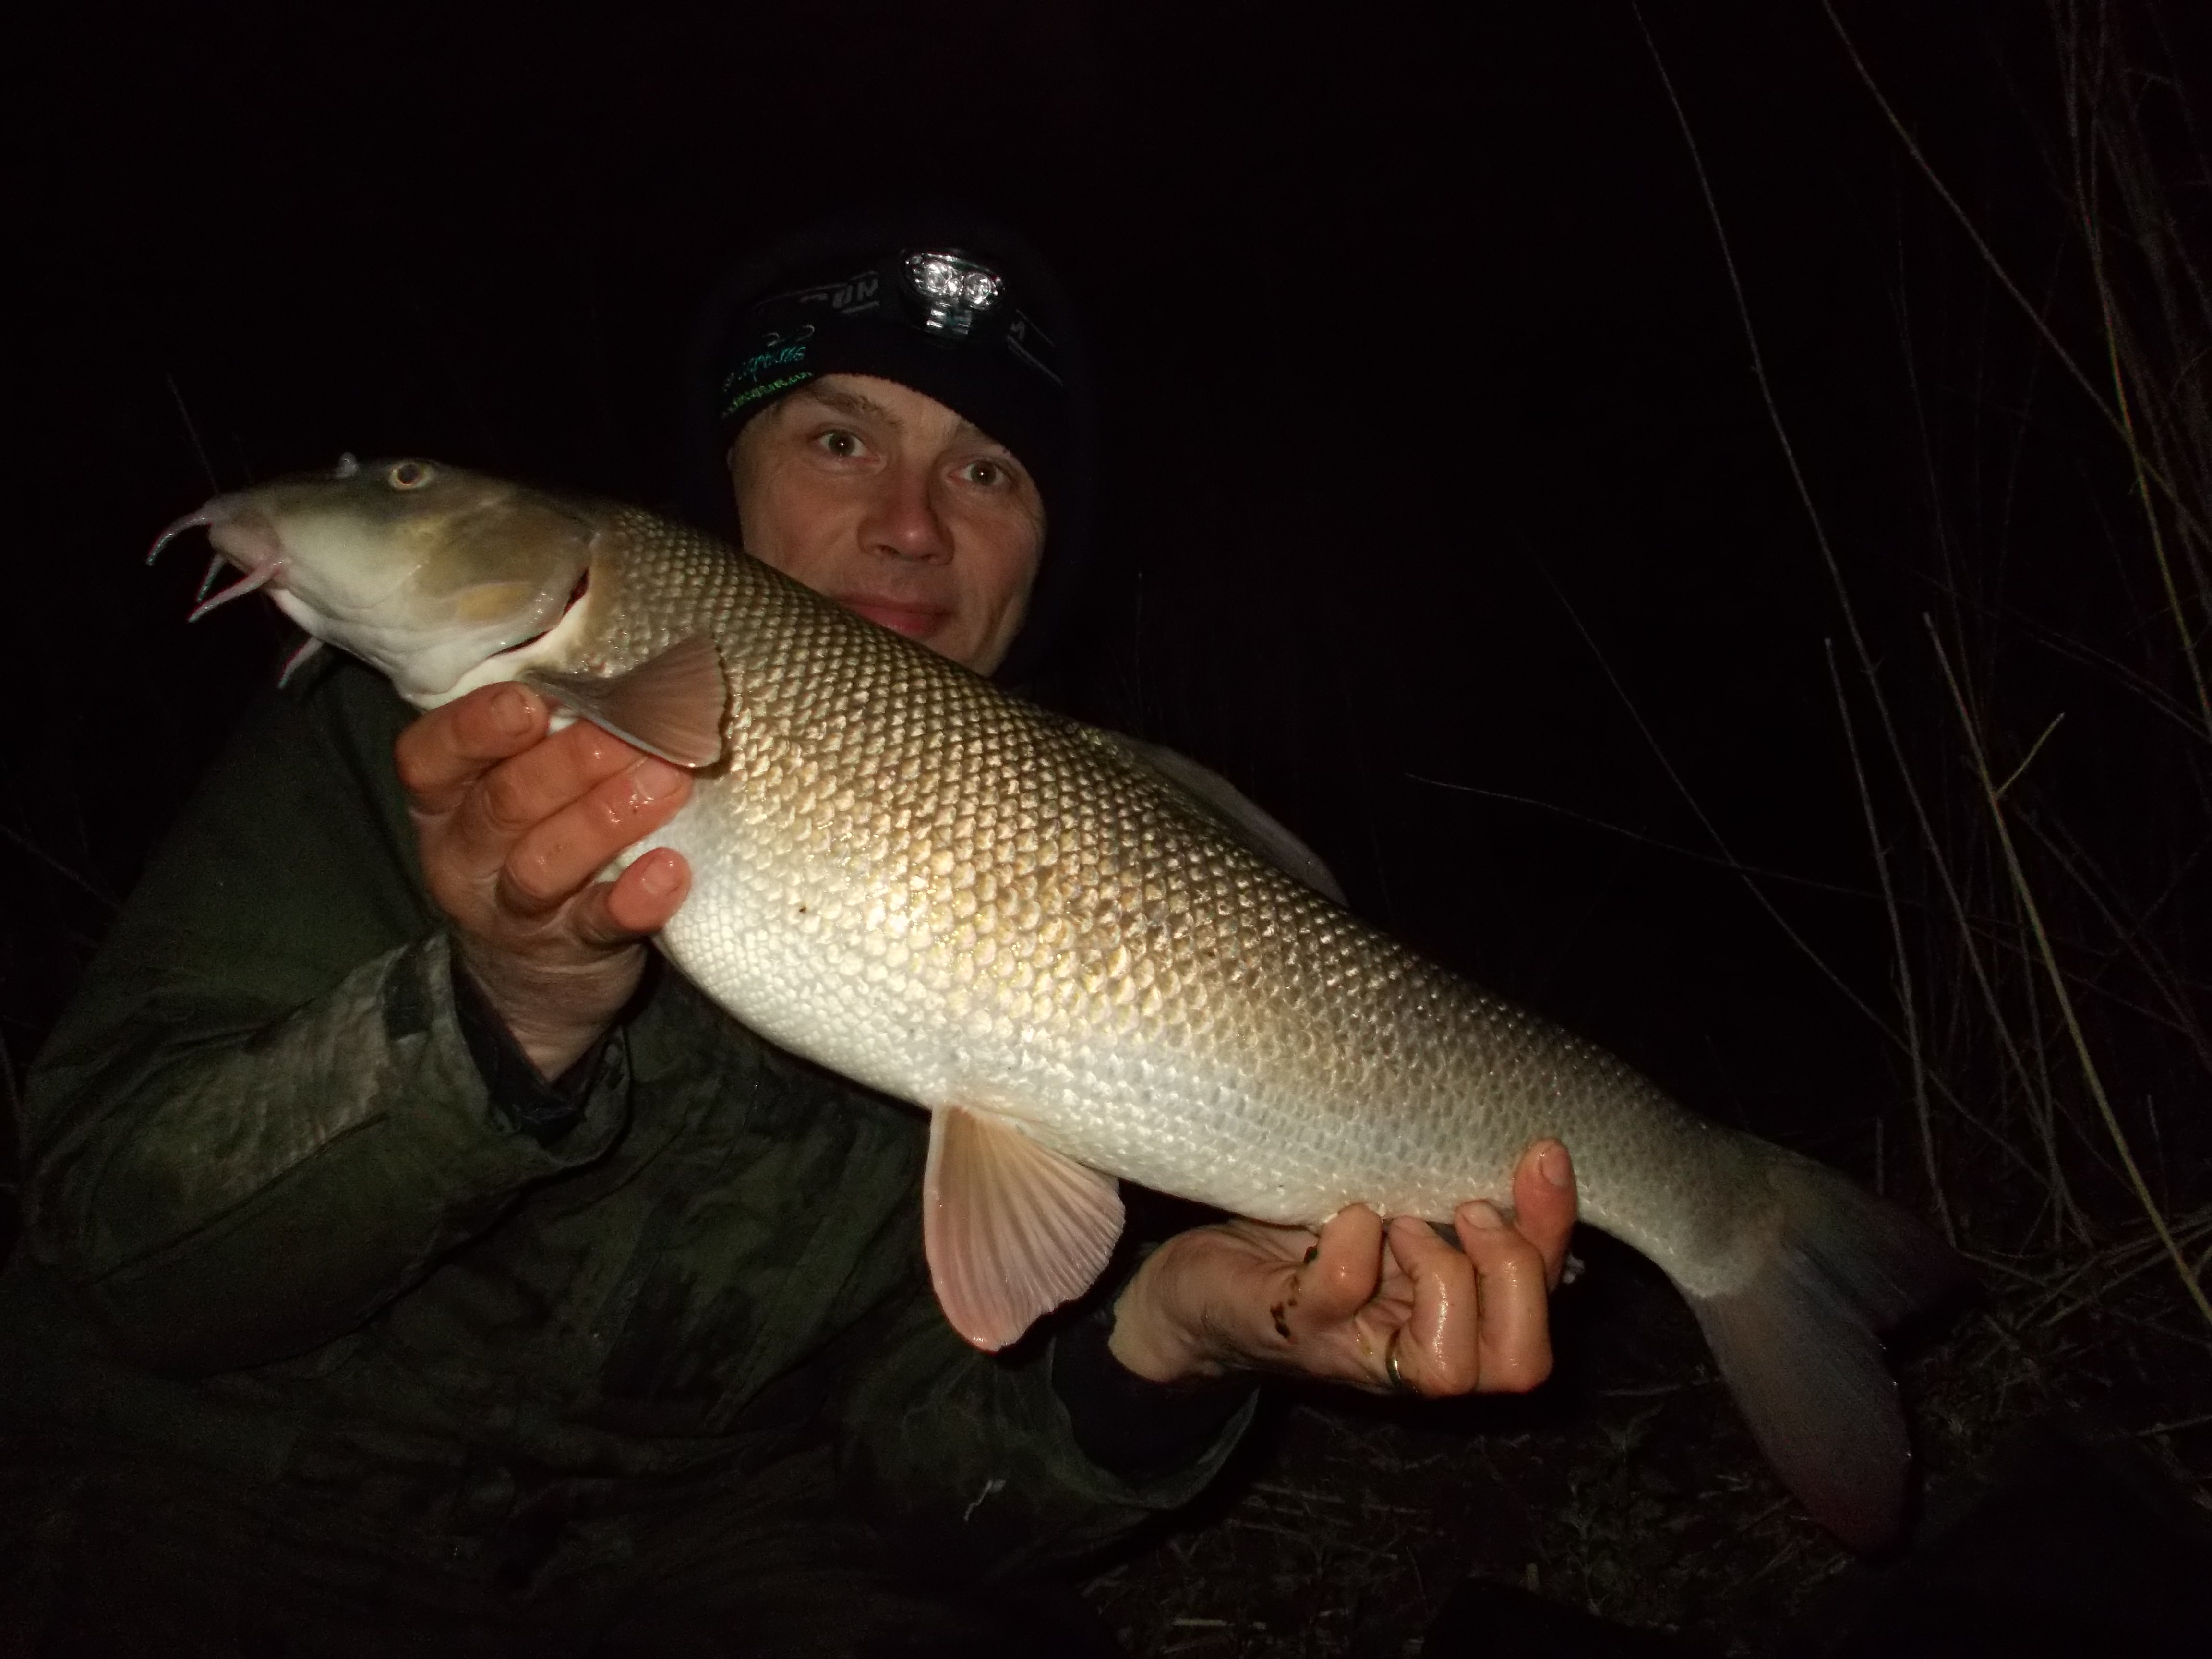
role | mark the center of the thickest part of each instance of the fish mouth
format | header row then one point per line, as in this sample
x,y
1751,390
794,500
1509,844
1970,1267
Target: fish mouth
x,y
917,621
247,539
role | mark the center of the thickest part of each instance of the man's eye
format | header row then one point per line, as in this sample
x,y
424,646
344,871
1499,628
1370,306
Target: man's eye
x,y
844,445
990,474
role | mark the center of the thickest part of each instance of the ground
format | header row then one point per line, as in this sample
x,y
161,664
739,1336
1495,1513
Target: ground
x,y
1627,1487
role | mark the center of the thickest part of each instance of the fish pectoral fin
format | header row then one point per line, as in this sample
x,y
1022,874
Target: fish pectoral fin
x,y
669,705
1012,1229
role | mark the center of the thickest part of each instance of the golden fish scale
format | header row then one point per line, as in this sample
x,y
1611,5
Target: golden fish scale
x,y
964,900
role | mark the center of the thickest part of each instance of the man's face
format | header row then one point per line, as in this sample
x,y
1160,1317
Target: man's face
x,y
894,506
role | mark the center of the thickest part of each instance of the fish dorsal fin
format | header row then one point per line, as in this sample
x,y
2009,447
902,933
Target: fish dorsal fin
x,y
1223,802
1012,1229
669,705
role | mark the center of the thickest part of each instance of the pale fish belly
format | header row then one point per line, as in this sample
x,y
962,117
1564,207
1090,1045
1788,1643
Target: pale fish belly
x,y
1287,1085
833,966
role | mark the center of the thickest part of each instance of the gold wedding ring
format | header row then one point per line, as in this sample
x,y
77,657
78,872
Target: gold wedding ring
x,y
1390,1364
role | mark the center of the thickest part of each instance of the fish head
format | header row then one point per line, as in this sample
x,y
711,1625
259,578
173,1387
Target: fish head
x,y
421,569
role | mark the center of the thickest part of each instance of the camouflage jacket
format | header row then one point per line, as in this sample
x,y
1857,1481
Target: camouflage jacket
x,y
274,1224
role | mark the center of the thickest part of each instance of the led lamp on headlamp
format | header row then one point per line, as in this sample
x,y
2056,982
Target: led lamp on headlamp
x,y
955,291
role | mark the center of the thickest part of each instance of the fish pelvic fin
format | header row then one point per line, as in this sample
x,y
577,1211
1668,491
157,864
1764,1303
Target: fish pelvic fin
x,y
669,705
1798,1347
1012,1228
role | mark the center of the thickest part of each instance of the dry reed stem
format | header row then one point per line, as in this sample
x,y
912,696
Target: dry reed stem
x,y
1996,267
2158,457
2054,1288
2086,173
2053,1173
1907,999
2180,1017
2057,980
1860,649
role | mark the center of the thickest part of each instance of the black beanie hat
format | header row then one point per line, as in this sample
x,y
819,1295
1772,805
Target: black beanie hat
x,y
951,305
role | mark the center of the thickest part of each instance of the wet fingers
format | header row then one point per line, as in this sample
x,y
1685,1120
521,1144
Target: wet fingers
x,y
1544,1204
1339,1276
1438,1348
638,903
1512,1325
561,854
441,756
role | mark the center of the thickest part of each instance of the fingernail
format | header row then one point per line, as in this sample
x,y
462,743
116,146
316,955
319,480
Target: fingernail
x,y
510,707
661,877
1552,1163
655,779
1482,1214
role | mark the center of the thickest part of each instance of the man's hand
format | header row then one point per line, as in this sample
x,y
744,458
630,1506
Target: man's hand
x,y
1342,1302
514,827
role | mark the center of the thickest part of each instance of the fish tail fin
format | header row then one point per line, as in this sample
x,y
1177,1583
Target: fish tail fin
x,y
1798,1345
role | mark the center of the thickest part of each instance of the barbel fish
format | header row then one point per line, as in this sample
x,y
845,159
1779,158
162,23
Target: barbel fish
x,y
1084,959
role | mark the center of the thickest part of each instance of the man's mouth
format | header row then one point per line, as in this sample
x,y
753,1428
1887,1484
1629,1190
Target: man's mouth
x,y
914,620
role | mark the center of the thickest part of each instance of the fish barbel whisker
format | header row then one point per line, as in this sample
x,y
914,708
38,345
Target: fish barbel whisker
x,y
198,520
293,664
244,585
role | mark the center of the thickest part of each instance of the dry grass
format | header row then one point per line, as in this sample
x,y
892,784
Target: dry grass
x,y
1635,1493
2034,759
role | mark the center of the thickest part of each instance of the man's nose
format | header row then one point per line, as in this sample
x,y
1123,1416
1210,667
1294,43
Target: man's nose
x,y
902,522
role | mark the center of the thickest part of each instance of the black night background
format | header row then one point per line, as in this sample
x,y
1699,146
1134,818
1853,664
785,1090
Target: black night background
x,y
1555,454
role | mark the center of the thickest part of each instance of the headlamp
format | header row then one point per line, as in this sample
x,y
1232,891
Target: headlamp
x,y
954,290
934,318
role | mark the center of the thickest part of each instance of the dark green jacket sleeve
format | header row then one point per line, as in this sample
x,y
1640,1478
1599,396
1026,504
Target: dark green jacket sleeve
x,y
260,1128
258,1121
975,1456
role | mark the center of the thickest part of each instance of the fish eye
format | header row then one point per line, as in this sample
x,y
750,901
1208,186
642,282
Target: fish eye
x,y
409,475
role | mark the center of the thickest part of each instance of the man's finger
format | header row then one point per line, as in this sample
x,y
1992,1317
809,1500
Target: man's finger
x,y
636,904
560,855
522,792
1544,1204
440,756
526,790
1340,1273
1513,1319
1439,1347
